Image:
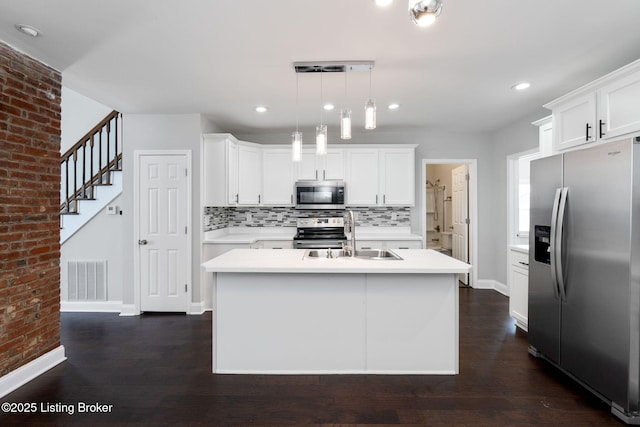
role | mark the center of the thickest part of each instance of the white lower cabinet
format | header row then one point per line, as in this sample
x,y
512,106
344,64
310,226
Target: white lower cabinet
x,y
272,244
388,244
519,287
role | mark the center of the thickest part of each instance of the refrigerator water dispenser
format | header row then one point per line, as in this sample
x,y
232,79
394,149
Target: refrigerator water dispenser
x,y
541,244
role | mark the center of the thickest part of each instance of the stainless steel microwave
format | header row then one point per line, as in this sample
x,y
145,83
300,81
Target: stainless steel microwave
x,y
320,194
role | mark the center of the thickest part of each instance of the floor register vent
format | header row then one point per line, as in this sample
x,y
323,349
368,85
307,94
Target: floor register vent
x,y
87,280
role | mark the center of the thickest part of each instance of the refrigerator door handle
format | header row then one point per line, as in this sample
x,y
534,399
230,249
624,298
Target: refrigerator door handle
x,y
553,236
558,240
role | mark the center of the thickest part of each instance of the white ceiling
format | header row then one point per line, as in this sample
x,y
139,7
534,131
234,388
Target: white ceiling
x,y
221,58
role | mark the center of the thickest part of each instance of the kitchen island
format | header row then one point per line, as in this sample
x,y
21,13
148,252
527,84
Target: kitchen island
x,y
277,313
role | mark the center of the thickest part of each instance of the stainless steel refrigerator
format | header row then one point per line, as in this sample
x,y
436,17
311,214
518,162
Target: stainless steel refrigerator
x,y
584,269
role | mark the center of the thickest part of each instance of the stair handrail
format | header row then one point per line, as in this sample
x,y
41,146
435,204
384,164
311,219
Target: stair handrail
x,y
79,149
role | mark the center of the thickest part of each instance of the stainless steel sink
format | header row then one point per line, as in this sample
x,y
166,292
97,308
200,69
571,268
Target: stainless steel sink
x,y
377,254
323,253
372,254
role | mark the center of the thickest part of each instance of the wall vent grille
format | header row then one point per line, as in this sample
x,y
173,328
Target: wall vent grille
x,y
87,280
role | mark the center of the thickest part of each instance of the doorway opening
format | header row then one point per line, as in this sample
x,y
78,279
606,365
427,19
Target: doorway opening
x,y
449,210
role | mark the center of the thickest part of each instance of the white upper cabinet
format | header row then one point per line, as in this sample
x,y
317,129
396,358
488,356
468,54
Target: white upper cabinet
x,y
277,177
574,122
362,177
381,177
605,108
219,170
326,167
237,173
397,177
249,175
619,106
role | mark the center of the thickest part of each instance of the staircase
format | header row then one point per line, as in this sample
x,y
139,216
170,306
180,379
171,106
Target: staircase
x,y
90,174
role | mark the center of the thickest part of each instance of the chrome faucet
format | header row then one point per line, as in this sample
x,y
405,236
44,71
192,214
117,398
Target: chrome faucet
x,y
350,227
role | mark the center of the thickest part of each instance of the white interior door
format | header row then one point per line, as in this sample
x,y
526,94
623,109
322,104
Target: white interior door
x,y
163,241
460,216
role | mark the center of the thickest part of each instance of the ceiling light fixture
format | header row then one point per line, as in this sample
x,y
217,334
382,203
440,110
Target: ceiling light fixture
x,y
28,30
328,107
383,3
370,108
424,12
521,86
345,113
393,106
261,109
296,137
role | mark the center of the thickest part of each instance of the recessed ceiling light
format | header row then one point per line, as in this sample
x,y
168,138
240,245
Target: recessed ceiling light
x,y
383,3
521,86
393,106
328,107
261,109
28,30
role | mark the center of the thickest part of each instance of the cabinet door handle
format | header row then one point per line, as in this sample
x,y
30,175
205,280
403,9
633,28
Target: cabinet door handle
x,y
324,174
237,197
316,174
588,127
258,199
601,125
384,199
523,263
376,199
292,199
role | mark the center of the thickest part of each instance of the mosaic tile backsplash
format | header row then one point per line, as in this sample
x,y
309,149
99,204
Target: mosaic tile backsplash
x,y
221,217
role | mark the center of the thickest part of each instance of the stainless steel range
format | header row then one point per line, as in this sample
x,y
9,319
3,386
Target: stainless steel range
x,y
319,233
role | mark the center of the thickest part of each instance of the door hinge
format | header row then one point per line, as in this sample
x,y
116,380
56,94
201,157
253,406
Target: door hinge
x,y
467,221
186,172
185,287
466,177
185,229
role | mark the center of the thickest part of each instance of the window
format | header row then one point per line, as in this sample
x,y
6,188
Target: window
x,y
519,193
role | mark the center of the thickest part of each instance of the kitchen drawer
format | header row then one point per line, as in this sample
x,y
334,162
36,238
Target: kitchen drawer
x,y
519,259
272,244
403,244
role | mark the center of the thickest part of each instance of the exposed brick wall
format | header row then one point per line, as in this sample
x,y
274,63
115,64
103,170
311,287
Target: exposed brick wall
x,y
29,209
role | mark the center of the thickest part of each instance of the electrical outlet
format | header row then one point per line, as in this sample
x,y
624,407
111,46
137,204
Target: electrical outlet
x,y
279,216
248,216
394,216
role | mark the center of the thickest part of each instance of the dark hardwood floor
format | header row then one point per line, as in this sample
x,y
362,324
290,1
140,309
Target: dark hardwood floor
x,y
155,370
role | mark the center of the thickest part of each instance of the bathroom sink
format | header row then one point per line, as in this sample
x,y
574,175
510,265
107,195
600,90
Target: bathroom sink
x,y
372,254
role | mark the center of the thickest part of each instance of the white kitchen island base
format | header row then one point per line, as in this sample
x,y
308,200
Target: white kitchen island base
x,y
335,323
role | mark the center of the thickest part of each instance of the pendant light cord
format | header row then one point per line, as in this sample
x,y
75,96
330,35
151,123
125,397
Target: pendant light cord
x,y
297,89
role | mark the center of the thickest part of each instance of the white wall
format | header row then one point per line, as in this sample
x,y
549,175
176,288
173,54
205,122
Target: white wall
x,y
100,238
148,132
79,115
517,137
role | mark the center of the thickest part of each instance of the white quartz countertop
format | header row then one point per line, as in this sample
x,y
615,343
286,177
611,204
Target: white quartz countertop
x,y
291,261
520,248
249,235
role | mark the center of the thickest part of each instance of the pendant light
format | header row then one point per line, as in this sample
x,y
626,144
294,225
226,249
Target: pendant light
x,y
296,137
370,109
345,115
424,12
321,130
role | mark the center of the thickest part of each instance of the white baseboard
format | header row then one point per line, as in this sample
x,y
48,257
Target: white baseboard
x,y
197,308
129,310
31,370
91,306
492,284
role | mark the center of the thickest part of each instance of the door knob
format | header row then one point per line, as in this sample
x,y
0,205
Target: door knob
x,y
142,242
